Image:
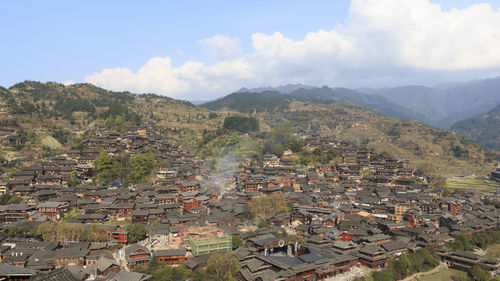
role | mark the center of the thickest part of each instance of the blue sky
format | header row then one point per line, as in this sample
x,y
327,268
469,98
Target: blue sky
x,y
79,40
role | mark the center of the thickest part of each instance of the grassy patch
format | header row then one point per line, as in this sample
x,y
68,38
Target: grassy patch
x,y
120,223
447,274
71,215
493,251
51,142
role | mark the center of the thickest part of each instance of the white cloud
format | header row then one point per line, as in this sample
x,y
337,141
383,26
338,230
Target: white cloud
x,y
383,41
222,47
68,83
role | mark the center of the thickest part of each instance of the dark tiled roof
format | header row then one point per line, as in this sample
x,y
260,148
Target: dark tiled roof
x,y
7,270
62,274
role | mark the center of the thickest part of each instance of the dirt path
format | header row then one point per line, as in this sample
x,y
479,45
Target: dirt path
x,y
416,276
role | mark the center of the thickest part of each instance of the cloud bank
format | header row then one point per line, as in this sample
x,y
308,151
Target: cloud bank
x,y
384,42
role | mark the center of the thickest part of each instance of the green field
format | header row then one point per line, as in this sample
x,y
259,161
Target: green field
x,y
474,184
447,274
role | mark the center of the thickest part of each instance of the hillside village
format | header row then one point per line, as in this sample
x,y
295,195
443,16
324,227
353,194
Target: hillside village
x,y
277,220
353,140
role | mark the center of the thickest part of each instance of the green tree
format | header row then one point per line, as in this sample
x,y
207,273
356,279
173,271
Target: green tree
x,y
382,276
278,139
73,180
104,168
7,199
236,241
478,274
241,124
262,223
400,267
141,165
80,146
136,232
222,267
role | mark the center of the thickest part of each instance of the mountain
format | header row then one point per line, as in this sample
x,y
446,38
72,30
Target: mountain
x,y
424,100
34,115
38,119
483,129
376,103
323,95
447,103
429,148
250,103
284,89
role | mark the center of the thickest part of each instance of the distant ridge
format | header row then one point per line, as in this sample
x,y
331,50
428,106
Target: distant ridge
x,y
284,89
446,103
483,129
322,95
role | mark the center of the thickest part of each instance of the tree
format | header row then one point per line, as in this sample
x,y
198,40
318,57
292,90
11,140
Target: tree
x,y
241,124
60,232
7,199
141,165
237,241
96,233
400,267
73,180
266,206
278,139
104,168
382,276
478,274
262,223
222,267
136,232
79,146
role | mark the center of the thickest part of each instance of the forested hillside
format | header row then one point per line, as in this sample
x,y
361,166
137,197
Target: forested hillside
x,y
45,118
483,129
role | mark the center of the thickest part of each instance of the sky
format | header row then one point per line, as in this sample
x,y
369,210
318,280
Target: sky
x,y
200,50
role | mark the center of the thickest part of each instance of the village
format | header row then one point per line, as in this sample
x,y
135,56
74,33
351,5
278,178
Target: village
x,y
332,219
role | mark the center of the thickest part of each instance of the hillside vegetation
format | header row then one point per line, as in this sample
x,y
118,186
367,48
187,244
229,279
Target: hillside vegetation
x,y
435,151
37,119
483,129
40,119
448,104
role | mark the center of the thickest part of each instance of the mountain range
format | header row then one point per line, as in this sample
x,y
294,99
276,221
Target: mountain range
x,y
440,106
34,115
483,129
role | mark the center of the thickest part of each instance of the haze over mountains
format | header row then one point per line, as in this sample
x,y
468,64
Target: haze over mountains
x,y
52,111
439,106
483,129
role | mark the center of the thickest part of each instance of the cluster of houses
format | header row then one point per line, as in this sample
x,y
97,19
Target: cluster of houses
x,y
362,212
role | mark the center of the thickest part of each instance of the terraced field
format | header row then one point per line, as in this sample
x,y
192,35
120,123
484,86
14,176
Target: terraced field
x,y
472,184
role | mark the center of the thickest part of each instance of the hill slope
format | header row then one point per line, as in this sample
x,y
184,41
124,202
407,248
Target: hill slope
x,y
444,106
483,129
434,150
63,115
32,111
268,97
